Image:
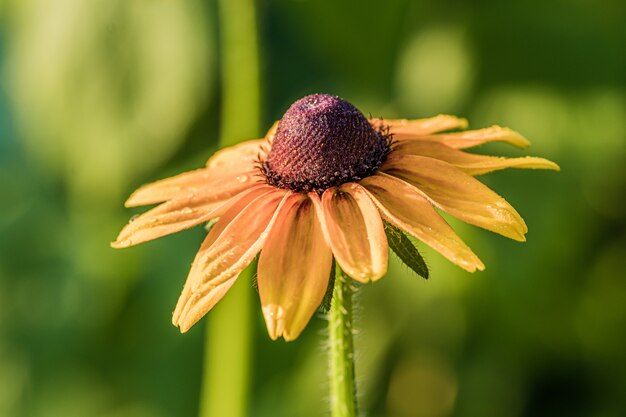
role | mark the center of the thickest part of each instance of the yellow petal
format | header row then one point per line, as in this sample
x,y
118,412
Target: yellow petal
x,y
470,163
458,194
355,232
229,247
418,127
216,184
238,157
472,138
180,214
294,268
406,208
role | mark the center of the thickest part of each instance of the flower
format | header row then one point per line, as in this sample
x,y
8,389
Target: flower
x,y
320,186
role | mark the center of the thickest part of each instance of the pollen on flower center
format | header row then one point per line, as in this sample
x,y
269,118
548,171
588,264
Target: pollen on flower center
x,y
323,141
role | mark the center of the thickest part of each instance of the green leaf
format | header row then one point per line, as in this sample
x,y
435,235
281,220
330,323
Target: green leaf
x,y
406,250
328,297
255,282
255,275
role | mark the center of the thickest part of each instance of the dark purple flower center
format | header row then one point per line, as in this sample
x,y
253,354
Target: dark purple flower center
x,y
323,141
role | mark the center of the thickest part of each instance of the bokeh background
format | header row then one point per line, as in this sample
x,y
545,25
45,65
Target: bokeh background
x,y
98,97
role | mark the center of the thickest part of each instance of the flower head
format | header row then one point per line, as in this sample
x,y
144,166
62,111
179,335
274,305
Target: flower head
x,y
323,141
321,185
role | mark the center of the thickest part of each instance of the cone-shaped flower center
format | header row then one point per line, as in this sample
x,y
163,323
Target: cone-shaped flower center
x,y
323,141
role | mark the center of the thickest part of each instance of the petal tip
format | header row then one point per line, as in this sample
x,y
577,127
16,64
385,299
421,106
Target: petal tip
x,y
274,321
519,237
553,166
131,201
516,139
139,197
184,324
472,265
538,163
480,265
288,337
121,244
361,276
376,275
458,122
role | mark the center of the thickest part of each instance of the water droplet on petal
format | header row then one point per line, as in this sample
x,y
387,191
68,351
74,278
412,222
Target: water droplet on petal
x,y
242,178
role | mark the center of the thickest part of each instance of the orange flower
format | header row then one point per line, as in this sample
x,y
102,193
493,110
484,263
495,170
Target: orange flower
x,y
318,187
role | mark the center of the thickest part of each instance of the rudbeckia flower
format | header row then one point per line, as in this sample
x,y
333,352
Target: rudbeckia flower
x,y
322,185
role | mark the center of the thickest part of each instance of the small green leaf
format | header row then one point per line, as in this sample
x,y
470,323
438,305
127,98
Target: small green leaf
x,y
255,276
328,297
406,250
255,282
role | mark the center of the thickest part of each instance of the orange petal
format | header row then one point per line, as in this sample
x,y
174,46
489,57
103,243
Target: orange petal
x,y
418,127
217,183
457,193
354,230
239,157
294,268
176,215
470,163
471,138
229,247
406,208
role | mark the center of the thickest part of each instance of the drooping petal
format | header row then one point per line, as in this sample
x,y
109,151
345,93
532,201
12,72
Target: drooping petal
x,y
216,183
470,163
419,127
294,268
458,194
354,230
238,157
472,138
229,247
180,214
406,208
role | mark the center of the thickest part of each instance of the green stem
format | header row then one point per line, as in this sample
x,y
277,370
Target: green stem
x,y
341,356
228,345
240,73
227,353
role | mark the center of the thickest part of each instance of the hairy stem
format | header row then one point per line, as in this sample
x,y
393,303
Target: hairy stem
x,y
341,356
228,345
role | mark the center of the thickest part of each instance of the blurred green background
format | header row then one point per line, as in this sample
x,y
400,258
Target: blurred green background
x,y
98,97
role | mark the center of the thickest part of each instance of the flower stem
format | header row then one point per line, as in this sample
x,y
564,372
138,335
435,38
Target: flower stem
x,y
341,356
228,344
226,370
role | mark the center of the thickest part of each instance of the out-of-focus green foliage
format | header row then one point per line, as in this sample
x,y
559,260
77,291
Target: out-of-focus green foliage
x,y
97,97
